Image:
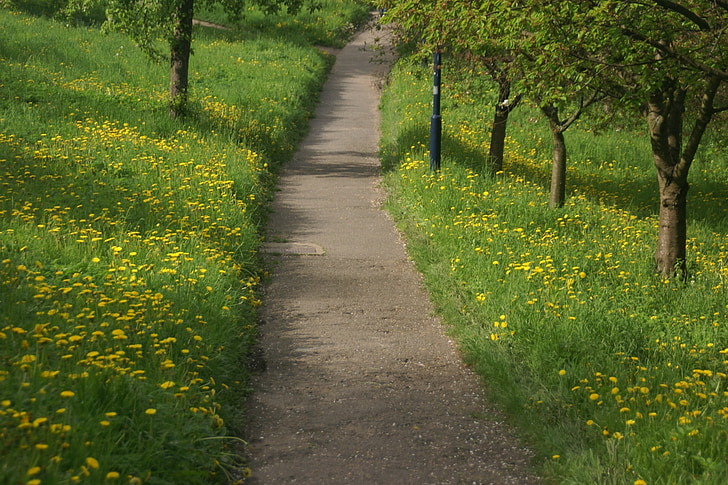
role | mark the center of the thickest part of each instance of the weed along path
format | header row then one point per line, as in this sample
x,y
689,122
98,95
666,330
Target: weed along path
x,y
360,384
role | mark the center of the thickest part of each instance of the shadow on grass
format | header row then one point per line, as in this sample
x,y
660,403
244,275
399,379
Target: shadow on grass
x,y
637,195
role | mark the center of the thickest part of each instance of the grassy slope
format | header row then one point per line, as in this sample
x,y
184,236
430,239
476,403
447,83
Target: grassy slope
x,y
614,374
128,245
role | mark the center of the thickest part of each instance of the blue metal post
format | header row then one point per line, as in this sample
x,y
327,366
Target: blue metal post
x,y
436,120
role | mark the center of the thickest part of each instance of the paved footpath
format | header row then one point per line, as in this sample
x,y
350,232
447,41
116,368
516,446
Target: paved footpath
x,y
362,386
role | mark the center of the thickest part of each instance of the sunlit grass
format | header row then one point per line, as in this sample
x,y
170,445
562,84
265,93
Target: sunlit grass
x,y
128,247
615,374
322,22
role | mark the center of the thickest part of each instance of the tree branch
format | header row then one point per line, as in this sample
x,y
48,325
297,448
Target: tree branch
x,y
669,51
722,4
705,113
690,15
595,96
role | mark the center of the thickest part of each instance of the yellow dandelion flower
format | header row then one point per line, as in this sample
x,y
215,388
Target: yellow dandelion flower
x,y
166,385
112,475
33,471
151,411
593,396
68,394
92,462
562,372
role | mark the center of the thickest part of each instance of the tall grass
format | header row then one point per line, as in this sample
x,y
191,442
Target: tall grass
x,y
328,23
128,247
615,374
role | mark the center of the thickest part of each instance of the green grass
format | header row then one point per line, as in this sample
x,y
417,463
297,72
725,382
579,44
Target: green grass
x,y
329,25
128,246
614,374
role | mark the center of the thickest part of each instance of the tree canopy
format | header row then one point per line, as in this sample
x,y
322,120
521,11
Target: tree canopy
x,y
147,22
664,59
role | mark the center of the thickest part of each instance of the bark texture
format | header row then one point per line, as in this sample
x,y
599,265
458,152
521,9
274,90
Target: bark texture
x,y
664,113
180,49
558,164
500,122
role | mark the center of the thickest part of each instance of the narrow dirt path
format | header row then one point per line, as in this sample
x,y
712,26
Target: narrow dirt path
x,y
361,384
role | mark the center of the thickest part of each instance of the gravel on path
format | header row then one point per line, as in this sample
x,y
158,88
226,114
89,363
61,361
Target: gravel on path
x,y
360,385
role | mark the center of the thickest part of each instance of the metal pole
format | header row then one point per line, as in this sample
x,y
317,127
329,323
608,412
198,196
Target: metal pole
x,y
436,120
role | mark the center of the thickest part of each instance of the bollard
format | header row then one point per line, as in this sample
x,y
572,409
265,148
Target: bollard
x,y
436,120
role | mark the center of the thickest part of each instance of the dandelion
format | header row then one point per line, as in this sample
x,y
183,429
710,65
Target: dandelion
x,y
112,475
150,411
33,471
92,462
562,372
68,394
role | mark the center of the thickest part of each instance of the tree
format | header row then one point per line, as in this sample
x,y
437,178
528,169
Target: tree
x,y
669,58
466,28
558,126
146,21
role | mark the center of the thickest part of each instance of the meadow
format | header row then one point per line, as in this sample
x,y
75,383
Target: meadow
x,y
129,266
614,374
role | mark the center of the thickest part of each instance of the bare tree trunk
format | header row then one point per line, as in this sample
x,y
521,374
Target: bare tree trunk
x,y
664,114
180,49
558,163
498,130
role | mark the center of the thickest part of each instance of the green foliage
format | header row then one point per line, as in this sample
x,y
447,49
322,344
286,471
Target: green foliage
x,y
148,22
614,374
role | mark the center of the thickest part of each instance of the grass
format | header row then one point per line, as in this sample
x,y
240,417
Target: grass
x,y
330,24
128,246
614,374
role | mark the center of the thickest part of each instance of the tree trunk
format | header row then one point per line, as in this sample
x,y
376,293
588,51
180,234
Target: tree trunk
x,y
665,110
498,130
558,163
180,49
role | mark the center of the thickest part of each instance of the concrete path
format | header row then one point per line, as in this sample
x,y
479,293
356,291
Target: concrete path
x,y
361,384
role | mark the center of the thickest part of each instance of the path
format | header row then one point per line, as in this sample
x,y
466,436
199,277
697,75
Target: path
x,y
361,384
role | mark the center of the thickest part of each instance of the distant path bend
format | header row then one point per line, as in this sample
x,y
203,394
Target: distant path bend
x,y
361,384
